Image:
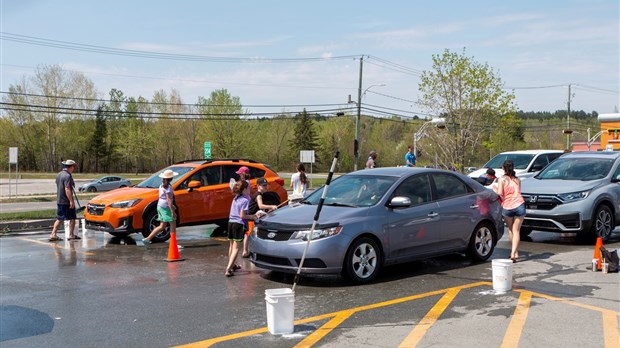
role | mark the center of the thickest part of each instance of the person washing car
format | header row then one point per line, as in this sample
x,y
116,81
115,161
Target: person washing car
x,y
65,201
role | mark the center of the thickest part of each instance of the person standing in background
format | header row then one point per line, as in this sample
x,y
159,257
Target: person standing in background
x,y
513,205
410,157
299,180
256,204
372,160
65,204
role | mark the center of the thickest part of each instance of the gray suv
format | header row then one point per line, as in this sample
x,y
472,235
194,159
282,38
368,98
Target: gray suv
x,y
578,192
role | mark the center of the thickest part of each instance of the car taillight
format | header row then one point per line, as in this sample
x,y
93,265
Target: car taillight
x,y
280,182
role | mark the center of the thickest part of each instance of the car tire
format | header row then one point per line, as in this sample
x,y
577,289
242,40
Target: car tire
x,y
482,242
524,232
150,223
363,260
92,189
602,223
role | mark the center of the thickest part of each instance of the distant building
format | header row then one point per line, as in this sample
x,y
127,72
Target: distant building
x,y
610,131
583,146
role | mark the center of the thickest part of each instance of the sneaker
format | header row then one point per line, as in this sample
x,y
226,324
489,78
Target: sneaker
x,y
146,241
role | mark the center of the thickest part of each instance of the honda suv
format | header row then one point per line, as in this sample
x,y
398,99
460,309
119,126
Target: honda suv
x,y
201,191
578,192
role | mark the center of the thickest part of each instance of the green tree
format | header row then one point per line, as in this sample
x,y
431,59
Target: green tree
x,y
305,136
98,145
470,97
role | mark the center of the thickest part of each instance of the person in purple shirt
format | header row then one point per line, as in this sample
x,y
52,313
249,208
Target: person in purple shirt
x,y
236,225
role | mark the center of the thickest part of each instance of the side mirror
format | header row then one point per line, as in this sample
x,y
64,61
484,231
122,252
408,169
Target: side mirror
x,y
536,168
192,185
400,202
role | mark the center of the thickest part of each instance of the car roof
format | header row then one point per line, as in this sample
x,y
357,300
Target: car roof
x,y
218,160
592,154
397,171
532,152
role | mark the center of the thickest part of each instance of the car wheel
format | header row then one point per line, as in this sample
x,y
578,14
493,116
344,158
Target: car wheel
x,y
92,189
524,232
602,223
363,260
150,223
482,242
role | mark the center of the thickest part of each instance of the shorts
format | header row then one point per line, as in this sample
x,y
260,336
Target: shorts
x,y
236,231
63,212
516,212
164,214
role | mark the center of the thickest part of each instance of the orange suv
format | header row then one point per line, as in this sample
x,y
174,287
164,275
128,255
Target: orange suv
x,y
201,190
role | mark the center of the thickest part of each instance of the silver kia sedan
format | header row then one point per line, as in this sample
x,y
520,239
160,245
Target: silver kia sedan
x,y
377,217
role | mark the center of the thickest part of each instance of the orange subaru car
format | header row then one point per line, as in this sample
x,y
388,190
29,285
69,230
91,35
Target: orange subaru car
x,y
201,190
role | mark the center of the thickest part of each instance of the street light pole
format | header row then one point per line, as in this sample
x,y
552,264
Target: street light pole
x,y
356,152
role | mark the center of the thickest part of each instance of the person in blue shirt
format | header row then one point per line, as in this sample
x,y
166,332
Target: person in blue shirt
x,y
410,157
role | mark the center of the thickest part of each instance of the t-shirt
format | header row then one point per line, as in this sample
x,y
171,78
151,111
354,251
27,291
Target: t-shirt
x,y
410,157
162,201
298,186
253,207
63,179
239,203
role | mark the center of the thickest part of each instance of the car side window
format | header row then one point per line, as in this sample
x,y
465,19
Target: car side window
x,y
447,186
541,161
207,176
417,188
616,173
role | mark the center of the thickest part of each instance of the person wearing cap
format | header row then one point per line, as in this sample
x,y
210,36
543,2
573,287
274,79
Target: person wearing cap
x,y
65,201
372,160
256,204
166,211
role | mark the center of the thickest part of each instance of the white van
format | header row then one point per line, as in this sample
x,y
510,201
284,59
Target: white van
x,y
526,162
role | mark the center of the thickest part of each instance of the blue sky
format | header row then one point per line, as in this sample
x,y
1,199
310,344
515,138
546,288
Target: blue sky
x,y
530,44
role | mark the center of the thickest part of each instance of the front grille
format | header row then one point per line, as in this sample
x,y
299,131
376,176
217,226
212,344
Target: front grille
x,y
95,209
540,202
95,224
278,235
312,263
281,261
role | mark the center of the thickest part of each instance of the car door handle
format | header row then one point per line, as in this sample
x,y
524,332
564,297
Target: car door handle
x,y
474,206
432,214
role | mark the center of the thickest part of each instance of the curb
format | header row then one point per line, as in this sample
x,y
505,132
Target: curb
x,y
23,226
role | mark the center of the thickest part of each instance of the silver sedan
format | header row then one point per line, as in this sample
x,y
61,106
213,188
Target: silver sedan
x,y
378,217
105,183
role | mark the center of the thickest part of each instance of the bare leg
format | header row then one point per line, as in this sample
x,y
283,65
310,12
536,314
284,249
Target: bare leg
x,y
156,230
55,229
246,245
516,238
71,228
233,256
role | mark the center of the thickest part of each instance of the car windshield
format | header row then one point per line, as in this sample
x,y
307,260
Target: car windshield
x,y
354,191
154,180
519,160
584,169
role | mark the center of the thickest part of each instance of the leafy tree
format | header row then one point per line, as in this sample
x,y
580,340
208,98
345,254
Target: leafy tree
x,y
470,97
305,137
98,145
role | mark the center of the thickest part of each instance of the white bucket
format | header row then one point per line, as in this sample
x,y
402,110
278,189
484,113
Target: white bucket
x,y
502,275
280,310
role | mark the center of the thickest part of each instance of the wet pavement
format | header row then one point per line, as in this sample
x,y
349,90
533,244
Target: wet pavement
x,y
104,291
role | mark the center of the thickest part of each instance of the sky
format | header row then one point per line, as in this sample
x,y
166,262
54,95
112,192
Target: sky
x,y
287,55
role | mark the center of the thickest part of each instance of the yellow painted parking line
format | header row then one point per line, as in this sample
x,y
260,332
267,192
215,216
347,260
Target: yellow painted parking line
x,y
321,332
611,333
212,341
515,328
53,244
429,319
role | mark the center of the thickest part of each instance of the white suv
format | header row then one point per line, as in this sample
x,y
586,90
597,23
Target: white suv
x,y
526,163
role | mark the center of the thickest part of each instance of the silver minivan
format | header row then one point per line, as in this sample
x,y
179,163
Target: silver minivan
x,y
579,192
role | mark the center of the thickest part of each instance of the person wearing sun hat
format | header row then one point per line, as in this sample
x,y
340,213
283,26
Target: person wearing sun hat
x,y
166,211
65,203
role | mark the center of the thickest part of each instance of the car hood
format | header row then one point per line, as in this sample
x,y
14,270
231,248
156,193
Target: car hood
x,y
302,216
123,194
537,186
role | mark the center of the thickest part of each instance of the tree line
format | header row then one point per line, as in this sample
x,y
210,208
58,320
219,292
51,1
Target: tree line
x,y
55,114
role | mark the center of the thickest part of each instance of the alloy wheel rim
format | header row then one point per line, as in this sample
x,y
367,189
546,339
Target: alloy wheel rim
x,y
364,260
484,241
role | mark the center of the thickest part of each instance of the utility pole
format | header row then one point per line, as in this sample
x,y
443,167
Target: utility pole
x,y
568,121
356,151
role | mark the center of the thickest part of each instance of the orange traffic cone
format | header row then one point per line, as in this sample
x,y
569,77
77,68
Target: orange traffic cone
x,y
597,252
173,249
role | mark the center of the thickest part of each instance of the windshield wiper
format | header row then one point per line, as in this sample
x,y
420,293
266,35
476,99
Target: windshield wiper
x,y
336,204
305,201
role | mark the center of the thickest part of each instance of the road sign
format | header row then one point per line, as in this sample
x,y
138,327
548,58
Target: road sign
x,y
207,150
12,155
306,156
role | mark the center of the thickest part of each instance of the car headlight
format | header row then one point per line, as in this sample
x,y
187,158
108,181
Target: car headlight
x,y
126,204
317,234
573,196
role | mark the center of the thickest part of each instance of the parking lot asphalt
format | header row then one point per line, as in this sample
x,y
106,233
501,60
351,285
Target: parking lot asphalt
x,y
104,291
